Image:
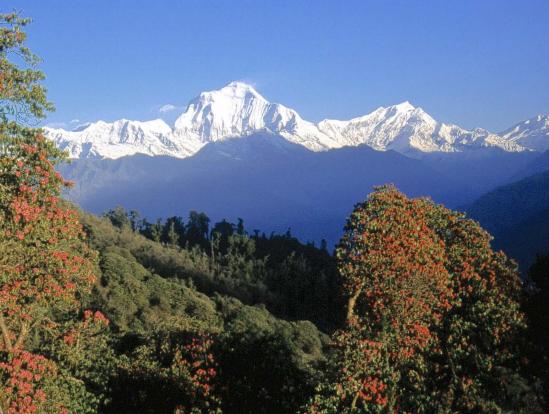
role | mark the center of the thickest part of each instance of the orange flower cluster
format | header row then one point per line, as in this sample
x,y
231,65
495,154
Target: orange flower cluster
x,y
373,391
92,323
23,373
198,359
97,317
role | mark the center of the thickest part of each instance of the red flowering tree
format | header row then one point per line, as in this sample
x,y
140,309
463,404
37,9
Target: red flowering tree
x,y
45,264
480,336
432,313
170,370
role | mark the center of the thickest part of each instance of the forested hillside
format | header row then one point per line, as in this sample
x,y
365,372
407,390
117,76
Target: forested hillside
x,y
413,312
517,216
155,293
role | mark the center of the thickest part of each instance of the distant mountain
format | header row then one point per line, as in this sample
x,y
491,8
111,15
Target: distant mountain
x,y
271,183
510,204
238,110
407,129
526,239
536,165
484,169
234,154
517,215
117,139
532,133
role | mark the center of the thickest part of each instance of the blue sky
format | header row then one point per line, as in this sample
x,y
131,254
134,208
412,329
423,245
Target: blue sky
x,y
472,62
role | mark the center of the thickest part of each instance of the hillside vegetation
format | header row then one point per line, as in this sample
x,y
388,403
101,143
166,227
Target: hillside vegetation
x,y
414,312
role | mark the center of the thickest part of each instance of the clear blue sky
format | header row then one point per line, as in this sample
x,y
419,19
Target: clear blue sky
x,y
472,62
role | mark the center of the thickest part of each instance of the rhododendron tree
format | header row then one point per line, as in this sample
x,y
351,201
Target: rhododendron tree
x,y
170,371
480,335
432,313
45,264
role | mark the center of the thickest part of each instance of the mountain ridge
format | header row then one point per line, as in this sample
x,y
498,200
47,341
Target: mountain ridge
x,y
517,215
263,179
238,110
533,132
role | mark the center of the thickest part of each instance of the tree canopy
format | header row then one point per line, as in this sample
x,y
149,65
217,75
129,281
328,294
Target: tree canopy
x,y
433,315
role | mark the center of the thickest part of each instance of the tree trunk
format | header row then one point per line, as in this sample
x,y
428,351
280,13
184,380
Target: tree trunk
x,y
5,334
351,303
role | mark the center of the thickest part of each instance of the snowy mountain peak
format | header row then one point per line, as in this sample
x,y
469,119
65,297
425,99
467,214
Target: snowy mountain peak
x,y
239,88
115,139
234,110
235,90
238,110
403,107
532,133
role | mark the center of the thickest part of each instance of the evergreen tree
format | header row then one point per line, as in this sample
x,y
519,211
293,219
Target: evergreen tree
x,y
324,245
119,217
537,310
197,229
240,227
173,232
134,217
171,235
156,230
221,232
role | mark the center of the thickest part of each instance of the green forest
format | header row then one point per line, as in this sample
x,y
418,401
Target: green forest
x,y
413,312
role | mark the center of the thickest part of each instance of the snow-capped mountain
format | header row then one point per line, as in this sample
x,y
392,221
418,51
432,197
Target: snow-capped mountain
x,y
116,139
532,133
405,128
238,110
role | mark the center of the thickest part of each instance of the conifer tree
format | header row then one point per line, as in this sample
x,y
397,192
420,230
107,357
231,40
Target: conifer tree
x,y
172,236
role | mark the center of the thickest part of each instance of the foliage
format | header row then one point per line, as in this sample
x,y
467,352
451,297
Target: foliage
x,y
266,365
270,363
516,215
23,98
45,263
85,359
293,280
24,377
169,371
433,313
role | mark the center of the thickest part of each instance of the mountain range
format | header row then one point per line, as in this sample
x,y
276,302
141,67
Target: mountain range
x,y
238,110
233,154
271,183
